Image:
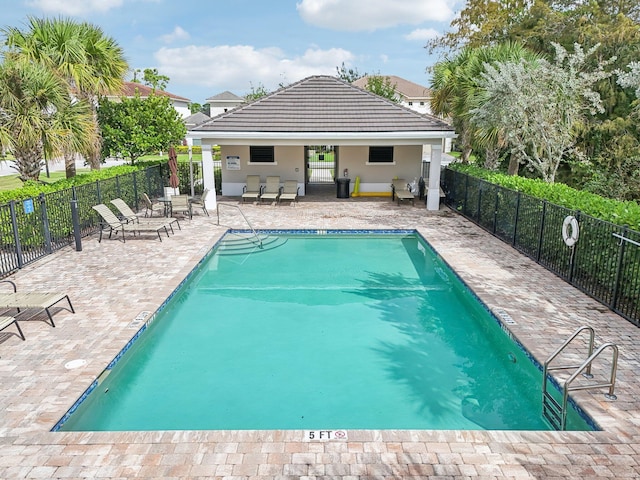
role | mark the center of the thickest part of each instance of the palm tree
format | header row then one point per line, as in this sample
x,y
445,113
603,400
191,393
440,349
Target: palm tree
x,y
456,91
37,118
91,63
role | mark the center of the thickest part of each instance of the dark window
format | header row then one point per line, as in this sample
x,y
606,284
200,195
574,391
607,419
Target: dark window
x,y
380,154
410,103
261,154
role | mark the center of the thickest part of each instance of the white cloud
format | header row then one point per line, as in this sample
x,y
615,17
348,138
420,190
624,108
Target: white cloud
x,y
178,34
238,67
361,15
422,34
75,7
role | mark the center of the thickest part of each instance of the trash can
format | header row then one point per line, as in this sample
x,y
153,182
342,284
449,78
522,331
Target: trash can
x,y
343,187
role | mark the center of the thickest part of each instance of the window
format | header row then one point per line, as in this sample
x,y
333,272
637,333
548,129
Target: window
x,y
410,104
422,104
261,154
380,154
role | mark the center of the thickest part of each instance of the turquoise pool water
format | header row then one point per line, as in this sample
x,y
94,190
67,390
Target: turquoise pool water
x,y
319,332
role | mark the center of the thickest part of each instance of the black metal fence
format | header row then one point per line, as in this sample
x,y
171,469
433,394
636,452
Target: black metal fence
x,y
33,228
604,263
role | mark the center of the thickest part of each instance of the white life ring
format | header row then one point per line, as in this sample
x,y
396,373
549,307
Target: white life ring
x,y
570,237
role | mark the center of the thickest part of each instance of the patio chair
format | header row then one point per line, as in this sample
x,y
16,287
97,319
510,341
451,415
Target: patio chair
x,y
114,224
32,301
271,190
252,189
149,205
130,216
400,190
200,201
6,321
181,204
290,191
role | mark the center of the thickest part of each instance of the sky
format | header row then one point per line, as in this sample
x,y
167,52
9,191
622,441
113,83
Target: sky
x,y
207,47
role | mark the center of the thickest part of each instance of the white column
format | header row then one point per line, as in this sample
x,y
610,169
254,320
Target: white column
x,y
208,178
433,190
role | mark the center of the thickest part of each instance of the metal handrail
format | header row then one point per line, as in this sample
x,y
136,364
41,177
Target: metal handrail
x,y
565,345
243,216
587,364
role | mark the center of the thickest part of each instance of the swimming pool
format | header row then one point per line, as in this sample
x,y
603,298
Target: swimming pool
x,y
350,331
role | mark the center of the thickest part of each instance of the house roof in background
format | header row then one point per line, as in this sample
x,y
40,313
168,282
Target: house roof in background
x,y
129,90
404,87
323,104
196,119
225,96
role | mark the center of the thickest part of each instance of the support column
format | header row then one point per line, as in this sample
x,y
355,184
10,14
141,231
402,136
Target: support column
x,y
208,177
433,190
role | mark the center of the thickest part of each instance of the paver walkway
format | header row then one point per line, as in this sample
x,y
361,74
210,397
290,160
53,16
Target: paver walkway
x,y
112,283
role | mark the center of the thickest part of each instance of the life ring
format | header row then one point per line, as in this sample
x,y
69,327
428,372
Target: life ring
x,y
570,230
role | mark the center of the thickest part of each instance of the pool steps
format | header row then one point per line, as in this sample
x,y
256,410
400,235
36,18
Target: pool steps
x,y
242,244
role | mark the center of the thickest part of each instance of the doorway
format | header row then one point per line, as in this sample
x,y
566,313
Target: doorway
x,y
322,161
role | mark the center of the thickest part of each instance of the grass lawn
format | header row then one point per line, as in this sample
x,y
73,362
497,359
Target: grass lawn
x,y
11,182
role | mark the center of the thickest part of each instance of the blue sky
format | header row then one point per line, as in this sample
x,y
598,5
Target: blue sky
x,y
209,46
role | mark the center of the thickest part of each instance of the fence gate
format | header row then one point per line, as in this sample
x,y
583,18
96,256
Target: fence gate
x,y
321,163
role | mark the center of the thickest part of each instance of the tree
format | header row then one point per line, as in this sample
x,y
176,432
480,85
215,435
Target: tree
x,y
455,86
195,108
382,87
153,79
133,127
90,62
630,78
349,75
37,118
539,105
256,93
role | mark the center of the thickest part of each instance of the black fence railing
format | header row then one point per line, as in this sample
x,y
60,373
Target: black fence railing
x,y
604,263
33,228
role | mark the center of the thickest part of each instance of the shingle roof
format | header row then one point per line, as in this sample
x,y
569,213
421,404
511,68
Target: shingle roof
x,y
404,87
129,90
196,118
225,96
322,104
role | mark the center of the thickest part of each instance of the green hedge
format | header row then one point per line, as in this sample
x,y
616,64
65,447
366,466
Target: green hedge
x,y
614,211
33,189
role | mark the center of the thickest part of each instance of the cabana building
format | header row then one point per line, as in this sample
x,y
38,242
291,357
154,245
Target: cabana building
x,y
321,129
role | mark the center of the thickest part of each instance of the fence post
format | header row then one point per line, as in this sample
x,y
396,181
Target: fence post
x,y
478,208
118,186
16,234
544,214
75,219
135,190
45,224
98,193
616,284
572,259
515,220
466,194
495,211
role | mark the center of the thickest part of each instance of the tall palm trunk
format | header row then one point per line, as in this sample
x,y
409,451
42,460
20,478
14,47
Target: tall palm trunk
x,y
70,164
28,160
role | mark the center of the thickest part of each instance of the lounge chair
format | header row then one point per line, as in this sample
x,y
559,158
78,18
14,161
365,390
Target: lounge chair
x,y
181,204
252,189
271,190
114,224
200,201
400,189
6,321
289,191
32,300
130,216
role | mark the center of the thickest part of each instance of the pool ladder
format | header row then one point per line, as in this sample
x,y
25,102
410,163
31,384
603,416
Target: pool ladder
x,y
554,411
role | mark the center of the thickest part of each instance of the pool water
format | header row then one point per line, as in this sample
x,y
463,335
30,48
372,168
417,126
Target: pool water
x,y
318,332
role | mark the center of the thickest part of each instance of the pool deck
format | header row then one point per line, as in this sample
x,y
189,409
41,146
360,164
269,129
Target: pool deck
x,y
112,284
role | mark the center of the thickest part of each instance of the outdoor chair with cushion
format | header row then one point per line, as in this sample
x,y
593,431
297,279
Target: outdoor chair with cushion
x,y
290,191
181,204
6,321
32,301
130,216
271,190
114,225
400,189
200,201
252,189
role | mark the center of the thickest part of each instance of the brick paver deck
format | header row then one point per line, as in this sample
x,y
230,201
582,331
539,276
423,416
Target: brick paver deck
x,y
111,283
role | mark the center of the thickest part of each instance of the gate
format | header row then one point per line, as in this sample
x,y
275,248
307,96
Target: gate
x,y
321,164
